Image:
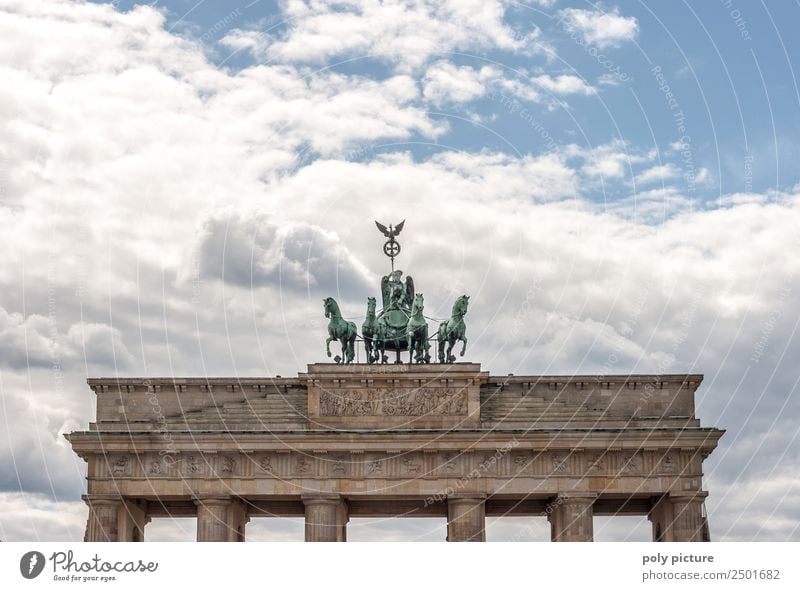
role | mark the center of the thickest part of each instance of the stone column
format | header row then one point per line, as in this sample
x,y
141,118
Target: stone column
x,y
466,518
214,519
571,517
326,518
103,522
131,521
687,517
660,516
237,521
678,517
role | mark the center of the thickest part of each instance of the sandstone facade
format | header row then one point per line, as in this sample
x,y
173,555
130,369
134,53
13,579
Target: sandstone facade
x,y
395,440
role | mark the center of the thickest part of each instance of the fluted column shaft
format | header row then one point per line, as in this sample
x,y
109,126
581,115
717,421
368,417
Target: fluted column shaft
x,y
213,519
326,518
678,517
466,518
687,517
103,522
571,517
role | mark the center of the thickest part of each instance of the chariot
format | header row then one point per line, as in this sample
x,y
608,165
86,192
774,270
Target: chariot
x,y
401,324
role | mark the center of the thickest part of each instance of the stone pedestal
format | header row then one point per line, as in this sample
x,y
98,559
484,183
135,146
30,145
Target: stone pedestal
x,y
220,519
103,522
571,517
466,518
326,518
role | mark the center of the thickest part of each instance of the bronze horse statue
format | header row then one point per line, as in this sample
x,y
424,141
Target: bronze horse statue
x,y
453,330
417,333
340,330
374,335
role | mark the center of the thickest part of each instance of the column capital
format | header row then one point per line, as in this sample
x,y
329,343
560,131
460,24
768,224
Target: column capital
x,y
688,497
104,499
211,500
321,499
576,496
465,497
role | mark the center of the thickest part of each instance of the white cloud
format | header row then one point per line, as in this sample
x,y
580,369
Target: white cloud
x,y
251,249
118,177
744,198
100,345
36,341
600,27
402,32
35,517
446,83
653,206
750,509
660,173
613,160
563,84
703,176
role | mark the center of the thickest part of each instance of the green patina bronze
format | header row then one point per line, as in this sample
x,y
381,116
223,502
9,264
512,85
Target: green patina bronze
x,y
373,334
391,248
400,325
340,330
453,330
417,333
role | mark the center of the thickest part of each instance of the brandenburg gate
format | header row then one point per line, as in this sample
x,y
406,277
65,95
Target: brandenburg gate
x,y
382,438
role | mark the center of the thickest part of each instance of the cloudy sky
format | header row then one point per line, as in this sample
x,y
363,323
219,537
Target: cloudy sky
x,y
614,184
